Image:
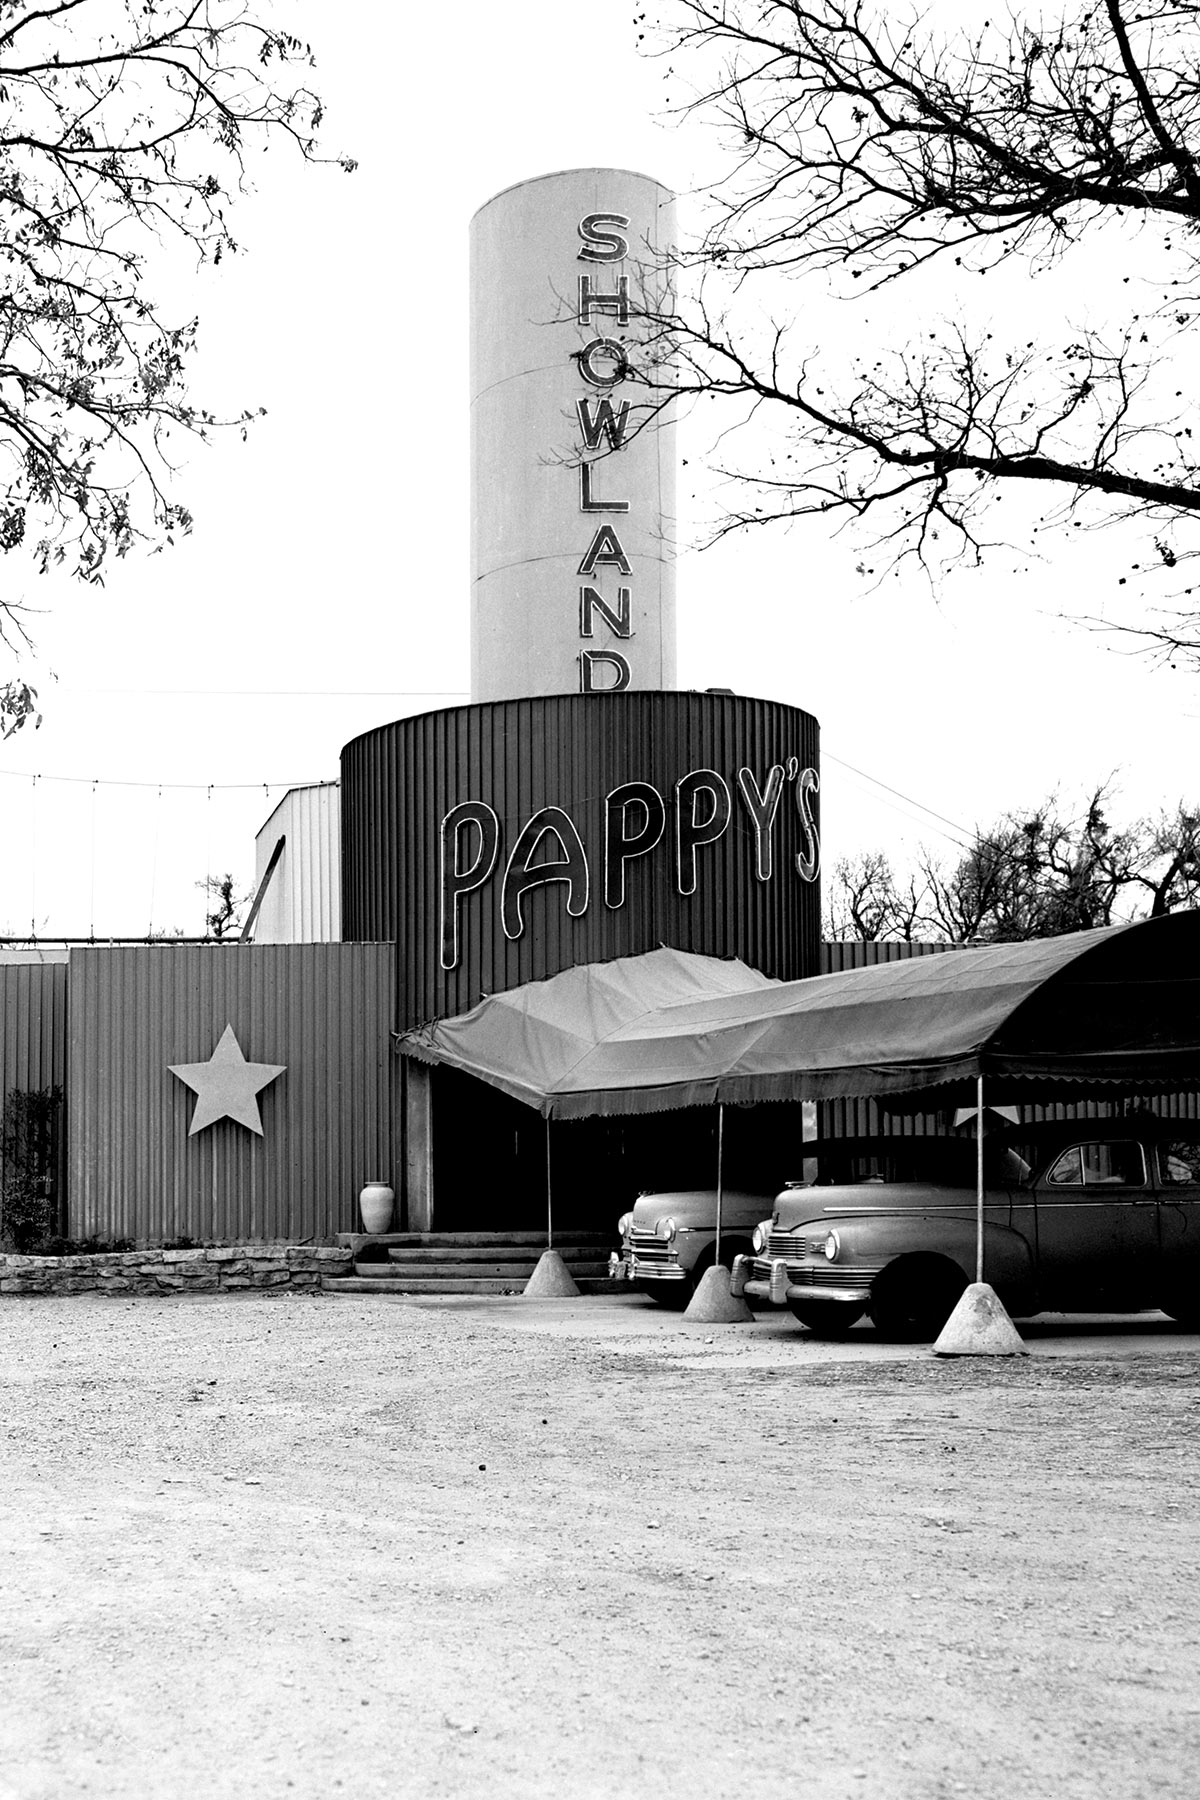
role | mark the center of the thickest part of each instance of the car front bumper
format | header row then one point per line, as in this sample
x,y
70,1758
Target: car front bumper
x,y
774,1282
628,1266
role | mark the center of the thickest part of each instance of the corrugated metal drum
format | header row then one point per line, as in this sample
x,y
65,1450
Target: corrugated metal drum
x,y
502,843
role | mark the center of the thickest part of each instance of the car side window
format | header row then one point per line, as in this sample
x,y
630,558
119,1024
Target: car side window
x,y
1118,1164
1114,1165
1179,1163
1067,1171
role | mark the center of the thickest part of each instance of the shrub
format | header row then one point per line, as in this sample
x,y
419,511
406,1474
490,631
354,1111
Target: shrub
x,y
28,1139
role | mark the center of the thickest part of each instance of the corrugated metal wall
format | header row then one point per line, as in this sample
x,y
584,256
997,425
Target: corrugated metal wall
x,y
303,901
865,1118
836,957
324,1010
33,1015
33,1006
571,751
860,1117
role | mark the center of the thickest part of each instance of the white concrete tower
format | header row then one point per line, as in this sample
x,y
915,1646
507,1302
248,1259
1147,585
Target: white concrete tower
x,y
573,479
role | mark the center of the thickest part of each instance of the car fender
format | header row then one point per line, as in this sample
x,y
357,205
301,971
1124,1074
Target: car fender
x,y
1008,1258
691,1243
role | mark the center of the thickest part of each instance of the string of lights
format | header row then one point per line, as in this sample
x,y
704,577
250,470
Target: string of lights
x,y
961,832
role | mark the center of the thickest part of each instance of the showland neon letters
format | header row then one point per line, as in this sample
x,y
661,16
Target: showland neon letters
x,y
602,422
602,364
635,823
591,603
599,244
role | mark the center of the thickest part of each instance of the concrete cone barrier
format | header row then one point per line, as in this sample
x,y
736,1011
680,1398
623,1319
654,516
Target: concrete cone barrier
x,y
551,1280
979,1326
713,1304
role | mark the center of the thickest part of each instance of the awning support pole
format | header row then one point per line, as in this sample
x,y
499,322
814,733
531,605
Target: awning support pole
x,y
979,1178
720,1172
549,1201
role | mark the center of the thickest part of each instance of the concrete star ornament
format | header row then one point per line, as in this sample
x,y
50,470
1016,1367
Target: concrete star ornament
x,y
227,1086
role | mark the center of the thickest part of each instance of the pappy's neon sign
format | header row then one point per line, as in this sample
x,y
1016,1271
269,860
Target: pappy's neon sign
x,y
636,820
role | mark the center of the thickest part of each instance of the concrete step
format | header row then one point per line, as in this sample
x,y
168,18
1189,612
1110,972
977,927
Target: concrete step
x,y
516,1269
505,1251
463,1284
466,1240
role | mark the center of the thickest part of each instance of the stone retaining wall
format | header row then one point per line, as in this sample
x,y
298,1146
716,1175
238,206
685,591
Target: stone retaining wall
x,y
220,1267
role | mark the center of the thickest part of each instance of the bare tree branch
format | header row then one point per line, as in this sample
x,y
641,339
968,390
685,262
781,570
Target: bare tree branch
x,y
863,150
1030,875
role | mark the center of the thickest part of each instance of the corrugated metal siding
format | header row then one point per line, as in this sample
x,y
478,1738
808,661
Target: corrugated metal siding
x,y
865,1118
33,1005
1167,1106
302,904
324,1010
399,782
33,1010
836,957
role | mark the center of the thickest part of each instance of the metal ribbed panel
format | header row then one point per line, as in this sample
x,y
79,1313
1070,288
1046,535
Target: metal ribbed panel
x,y
321,1009
33,1005
836,957
571,751
302,902
33,1009
863,1117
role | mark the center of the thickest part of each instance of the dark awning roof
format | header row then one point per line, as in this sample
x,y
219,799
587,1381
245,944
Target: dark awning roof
x,y
672,1029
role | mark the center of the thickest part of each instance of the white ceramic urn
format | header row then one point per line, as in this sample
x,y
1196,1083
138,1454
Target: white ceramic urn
x,y
375,1203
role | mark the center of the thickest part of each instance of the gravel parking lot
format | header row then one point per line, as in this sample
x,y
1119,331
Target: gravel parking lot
x,y
293,1545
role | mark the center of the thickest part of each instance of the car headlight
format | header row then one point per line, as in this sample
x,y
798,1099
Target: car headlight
x,y
759,1236
832,1246
624,1225
665,1229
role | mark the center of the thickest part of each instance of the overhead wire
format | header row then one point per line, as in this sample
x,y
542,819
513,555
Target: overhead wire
x,y
92,872
191,787
154,863
963,832
33,860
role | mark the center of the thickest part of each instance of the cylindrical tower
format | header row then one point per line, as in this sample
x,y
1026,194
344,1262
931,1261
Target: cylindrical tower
x,y
500,843
573,459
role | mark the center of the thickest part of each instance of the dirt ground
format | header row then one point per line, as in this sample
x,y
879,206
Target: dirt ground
x,y
289,1546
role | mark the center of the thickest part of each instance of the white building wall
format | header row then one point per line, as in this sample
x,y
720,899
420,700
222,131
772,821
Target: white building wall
x,y
302,904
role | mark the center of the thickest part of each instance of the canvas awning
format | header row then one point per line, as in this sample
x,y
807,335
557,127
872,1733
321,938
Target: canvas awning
x,y
672,1029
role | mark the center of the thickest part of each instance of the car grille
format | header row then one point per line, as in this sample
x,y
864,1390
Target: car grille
x,y
785,1244
648,1247
829,1275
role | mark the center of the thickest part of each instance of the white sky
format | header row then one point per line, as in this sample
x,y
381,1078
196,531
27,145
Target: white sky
x,y
330,557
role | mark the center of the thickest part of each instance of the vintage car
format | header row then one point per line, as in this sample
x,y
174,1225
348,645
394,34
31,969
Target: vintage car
x,y
668,1240
1095,1215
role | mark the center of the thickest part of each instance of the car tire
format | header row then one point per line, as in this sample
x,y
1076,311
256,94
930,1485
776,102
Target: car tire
x,y
913,1297
825,1319
730,1247
679,1293
674,1295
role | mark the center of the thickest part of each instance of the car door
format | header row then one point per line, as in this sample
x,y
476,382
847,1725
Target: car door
x,y
1097,1227
1179,1209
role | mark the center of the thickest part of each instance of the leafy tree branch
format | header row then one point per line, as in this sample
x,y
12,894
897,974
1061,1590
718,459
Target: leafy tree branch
x,y
125,127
